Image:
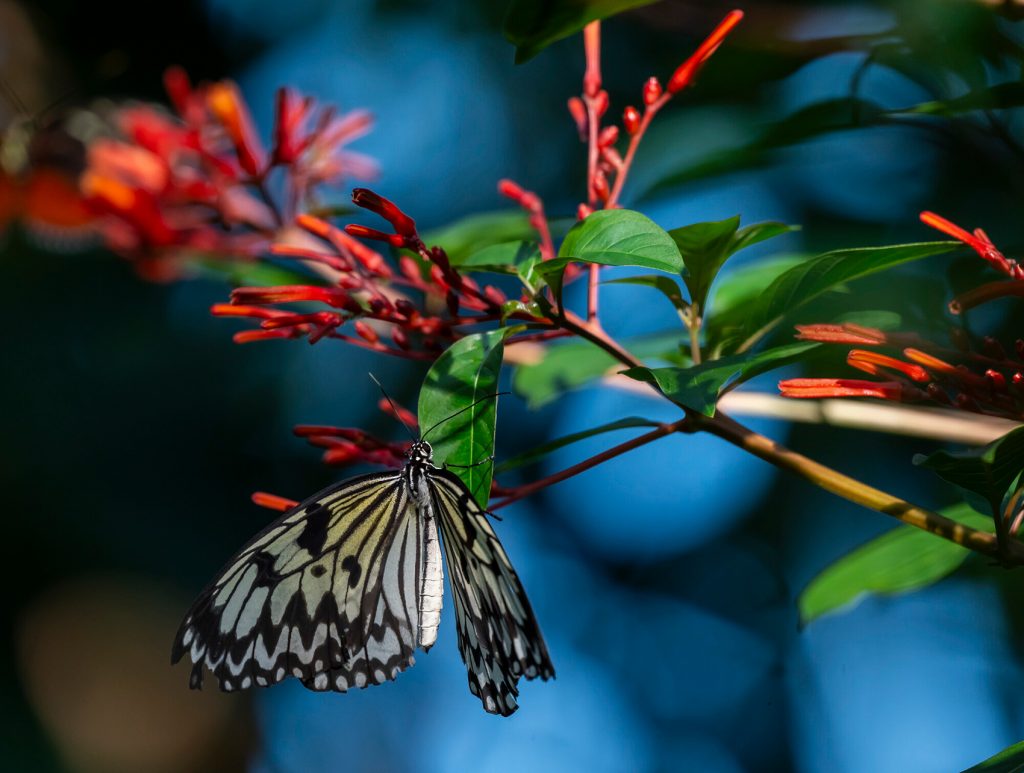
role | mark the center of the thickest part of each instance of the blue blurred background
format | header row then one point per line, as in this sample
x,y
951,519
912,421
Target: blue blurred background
x,y
665,580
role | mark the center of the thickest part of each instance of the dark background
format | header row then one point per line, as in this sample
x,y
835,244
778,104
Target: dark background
x,y
135,430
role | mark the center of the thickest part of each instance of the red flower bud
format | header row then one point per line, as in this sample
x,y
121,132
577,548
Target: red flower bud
x,y
686,72
652,90
366,332
579,114
401,222
583,212
400,337
601,103
631,120
609,136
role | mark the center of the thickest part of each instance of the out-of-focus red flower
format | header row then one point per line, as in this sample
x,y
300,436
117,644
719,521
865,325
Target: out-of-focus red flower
x,y
174,185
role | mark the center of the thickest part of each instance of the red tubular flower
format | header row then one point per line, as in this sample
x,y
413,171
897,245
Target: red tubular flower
x,y
847,333
842,387
173,187
272,501
687,71
873,362
225,102
401,222
978,241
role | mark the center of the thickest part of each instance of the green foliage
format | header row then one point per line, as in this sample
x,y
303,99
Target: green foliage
x,y
663,284
541,451
533,25
471,234
706,246
574,364
903,559
698,387
988,471
465,373
622,237
501,258
1009,760
815,276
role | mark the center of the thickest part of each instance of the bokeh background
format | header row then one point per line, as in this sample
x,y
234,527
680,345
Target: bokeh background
x,y
134,430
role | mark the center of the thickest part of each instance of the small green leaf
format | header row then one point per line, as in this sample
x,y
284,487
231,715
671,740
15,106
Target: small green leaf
x,y
1009,760
465,373
543,450
903,559
988,471
815,276
699,386
663,284
999,97
471,234
504,258
621,237
572,365
533,25
706,247
257,273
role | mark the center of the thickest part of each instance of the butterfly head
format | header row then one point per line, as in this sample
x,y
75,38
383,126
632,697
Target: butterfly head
x,y
420,452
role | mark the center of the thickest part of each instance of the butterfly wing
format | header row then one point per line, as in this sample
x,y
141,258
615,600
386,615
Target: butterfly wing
x,y
499,638
327,594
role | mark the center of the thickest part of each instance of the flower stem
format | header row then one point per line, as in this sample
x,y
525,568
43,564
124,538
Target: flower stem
x,y
604,456
857,492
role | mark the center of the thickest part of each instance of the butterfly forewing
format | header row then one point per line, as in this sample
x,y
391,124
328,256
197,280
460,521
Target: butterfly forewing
x,y
499,638
326,594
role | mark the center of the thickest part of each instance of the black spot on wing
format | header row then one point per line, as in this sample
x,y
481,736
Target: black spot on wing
x,y
350,565
314,530
319,570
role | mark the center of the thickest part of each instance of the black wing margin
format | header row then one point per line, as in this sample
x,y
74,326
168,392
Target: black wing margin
x,y
499,638
325,594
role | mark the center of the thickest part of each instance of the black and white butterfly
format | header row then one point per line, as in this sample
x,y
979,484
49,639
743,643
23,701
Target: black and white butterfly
x,y
343,588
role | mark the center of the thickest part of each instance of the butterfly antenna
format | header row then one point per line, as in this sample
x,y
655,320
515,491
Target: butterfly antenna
x,y
12,96
463,410
394,408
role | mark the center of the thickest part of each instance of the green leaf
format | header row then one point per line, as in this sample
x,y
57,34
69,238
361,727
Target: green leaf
x,y
533,25
501,258
739,287
471,234
256,273
832,115
621,237
903,559
465,373
572,365
543,450
1009,760
818,275
999,97
988,471
663,284
699,386
706,247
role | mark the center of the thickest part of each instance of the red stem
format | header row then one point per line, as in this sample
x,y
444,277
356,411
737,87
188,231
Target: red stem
x,y
604,456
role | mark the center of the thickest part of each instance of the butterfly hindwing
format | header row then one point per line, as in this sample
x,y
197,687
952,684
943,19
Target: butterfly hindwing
x,y
327,594
499,638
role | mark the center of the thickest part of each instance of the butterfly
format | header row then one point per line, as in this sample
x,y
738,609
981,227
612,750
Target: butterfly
x,y
342,589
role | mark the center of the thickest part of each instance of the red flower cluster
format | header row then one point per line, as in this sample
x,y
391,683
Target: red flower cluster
x,y
197,181
990,382
365,290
